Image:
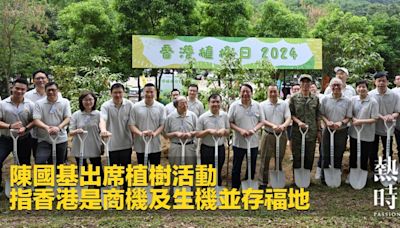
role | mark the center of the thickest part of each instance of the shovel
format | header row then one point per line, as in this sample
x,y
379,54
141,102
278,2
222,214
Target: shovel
x,y
302,175
82,139
277,176
388,180
53,138
147,140
218,188
183,146
15,155
249,183
105,141
332,175
358,177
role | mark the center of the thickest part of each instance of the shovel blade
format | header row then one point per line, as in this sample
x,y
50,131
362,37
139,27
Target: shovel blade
x,y
358,178
302,177
386,183
333,177
149,195
218,189
277,178
249,183
7,189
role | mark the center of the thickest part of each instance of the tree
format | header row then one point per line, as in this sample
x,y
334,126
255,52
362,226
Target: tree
x,y
387,28
360,57
225,18
159,17
277,21
21,23
338,30
86,30
74,80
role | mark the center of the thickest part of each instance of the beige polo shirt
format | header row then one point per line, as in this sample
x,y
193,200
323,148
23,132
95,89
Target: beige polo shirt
x,y
52,114
178,123
148,118
117,122
11,113
246,118
388,104
364,109
275,113
211,121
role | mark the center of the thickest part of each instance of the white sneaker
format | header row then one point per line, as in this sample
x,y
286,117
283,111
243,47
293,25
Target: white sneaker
x,y
318,173
348,179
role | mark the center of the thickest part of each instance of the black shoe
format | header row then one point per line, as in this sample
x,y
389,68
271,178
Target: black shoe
x,y
262,187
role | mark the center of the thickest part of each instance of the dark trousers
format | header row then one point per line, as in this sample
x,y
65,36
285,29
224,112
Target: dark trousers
x,y
23,150
366,150
207,155
238,155
373,158
44,153
339,142
96,162
34,145
153,159
121,158
397,136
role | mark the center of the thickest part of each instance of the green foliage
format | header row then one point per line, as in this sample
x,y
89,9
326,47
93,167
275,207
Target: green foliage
x,y
387,29
277,21
225,18
231,74
74,80
338,30
22,24
86,30
360,57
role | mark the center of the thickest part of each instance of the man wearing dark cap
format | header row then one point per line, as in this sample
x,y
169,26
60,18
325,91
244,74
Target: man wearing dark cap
x,y
304,107
389,107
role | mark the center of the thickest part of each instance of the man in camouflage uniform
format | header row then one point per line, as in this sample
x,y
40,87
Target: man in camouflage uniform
x,y
304,107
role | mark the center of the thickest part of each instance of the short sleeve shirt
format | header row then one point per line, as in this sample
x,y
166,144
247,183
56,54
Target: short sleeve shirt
x,y
245,118
180,123
210,121
11,113
117,121
275,113
88,121
364,109
336,109
52,114
196,106
148,118
388,104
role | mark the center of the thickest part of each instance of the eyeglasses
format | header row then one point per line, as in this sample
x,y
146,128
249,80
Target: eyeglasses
x,y
336,85
88,100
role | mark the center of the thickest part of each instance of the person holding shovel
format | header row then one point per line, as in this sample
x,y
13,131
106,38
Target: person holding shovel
x,y
246,118
336,111
180,129
115,118
365,111
87,118
389,108
148,121
304,108
213,125
277,118
52,115
16,112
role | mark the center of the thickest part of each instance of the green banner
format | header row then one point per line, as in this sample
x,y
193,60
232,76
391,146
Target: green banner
x,y
174,52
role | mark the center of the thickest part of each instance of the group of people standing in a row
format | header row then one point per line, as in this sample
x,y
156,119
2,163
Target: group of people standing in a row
x,y
42,113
